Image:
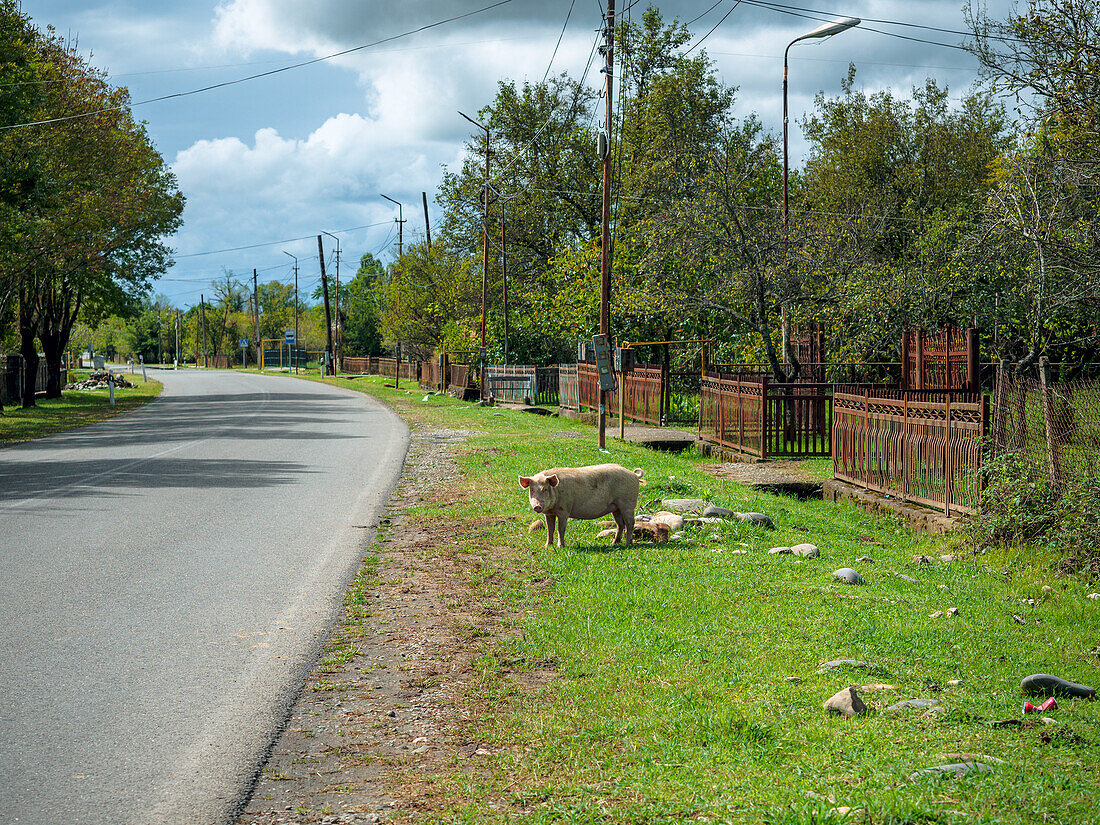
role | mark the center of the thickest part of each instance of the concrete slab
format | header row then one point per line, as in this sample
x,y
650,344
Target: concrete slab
x,y
919,518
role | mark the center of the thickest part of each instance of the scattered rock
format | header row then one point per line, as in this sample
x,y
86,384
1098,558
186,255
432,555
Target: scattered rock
x,y
947,559
1093,596
905,578
970,757
909,704
780,551
807,551
794,679
878,687
1048,720
1047,590
845,702
921,559
755,518
865,560
685,505
848,576
714,511
952,771
954,682
391,713
935,615
952,611
1017,619
1043,684
854,664
842,811
739,552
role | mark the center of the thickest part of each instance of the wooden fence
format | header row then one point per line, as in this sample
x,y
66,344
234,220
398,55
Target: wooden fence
x,y
515,384
569,387
919,447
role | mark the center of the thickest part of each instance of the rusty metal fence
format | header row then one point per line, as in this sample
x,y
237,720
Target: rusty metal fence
x,y
922,447
643,395
946,359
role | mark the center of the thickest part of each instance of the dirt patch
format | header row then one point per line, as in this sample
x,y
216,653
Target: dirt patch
x,y
367,733
763,473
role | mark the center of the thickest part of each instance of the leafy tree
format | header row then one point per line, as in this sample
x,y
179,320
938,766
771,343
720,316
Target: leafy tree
x,y
361,308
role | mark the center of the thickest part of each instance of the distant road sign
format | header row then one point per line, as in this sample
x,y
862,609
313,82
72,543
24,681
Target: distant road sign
x,y
244,343
290,336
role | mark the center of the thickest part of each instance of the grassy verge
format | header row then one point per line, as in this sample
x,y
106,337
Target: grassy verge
x,y
687,681
75,408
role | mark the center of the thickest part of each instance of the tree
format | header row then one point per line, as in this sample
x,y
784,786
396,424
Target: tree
x,y
360,305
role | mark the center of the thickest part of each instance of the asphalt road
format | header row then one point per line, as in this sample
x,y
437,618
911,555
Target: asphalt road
x,y
166,579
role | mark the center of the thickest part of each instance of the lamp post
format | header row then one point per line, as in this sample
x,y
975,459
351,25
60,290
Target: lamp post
x,y
400,250
292,359
336,323
826,30
484,249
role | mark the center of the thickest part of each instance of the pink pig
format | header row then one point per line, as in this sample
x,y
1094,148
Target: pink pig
x,y
563,493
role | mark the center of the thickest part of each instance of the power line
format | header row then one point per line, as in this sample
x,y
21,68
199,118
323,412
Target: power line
x,y
715,26
565,25
273,243
281,69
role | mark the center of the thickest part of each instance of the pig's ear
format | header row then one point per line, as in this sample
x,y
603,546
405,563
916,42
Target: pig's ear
x,y
524,482
552,481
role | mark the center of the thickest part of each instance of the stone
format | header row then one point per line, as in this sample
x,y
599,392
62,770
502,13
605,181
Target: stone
x,y
878,687
845,702
954,682
909,704
755,518
865,560
970,757
1043,684
794,679
921,559
952,611
848,576
947,559
739,552
1093,596
685,505
714,511
935,615
905,578
780,551
854,664
952,771
807,551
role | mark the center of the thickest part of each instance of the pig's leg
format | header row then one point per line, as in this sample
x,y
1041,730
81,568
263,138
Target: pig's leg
x,y
562,519
550,517
625,518
620,523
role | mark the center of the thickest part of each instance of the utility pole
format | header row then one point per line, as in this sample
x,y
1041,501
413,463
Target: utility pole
x,y
336,302
293,363
177,339
328,312
605,237
202,303
400,247
427,224
256,321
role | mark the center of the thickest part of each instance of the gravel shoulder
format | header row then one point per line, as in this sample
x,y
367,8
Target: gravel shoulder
x,y
368,732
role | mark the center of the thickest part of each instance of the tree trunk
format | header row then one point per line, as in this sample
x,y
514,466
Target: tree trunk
x,y
30,365
54,351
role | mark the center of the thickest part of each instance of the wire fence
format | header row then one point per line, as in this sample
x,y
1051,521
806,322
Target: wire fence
x,y
1053,428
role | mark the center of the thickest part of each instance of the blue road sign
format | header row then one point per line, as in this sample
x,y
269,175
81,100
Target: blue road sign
x,y
244,343
290,336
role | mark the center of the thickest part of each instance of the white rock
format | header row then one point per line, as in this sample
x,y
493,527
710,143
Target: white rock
x,y
780,551
808,551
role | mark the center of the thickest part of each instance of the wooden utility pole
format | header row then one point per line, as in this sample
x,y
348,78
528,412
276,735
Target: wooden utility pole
x,y
202,303
605,237
328,311
427,224
504,275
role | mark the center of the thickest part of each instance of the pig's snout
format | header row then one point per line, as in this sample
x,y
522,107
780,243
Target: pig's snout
x,y
537,508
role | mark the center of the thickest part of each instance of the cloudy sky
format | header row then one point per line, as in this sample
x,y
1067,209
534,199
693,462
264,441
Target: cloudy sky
x,y
284,157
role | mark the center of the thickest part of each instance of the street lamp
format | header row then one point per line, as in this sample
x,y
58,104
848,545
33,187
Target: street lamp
x,y
293,363
484,248
400,239
336,349
825,30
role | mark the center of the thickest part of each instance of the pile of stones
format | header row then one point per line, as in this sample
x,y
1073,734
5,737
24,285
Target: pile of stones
x,y
98,381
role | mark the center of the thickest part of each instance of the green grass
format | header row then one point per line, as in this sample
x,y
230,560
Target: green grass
x,y
672,699
76,408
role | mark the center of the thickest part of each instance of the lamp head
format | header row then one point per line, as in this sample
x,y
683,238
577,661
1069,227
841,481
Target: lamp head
x,y
831,28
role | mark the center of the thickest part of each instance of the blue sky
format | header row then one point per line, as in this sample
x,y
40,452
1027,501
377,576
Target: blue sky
x,y
311,150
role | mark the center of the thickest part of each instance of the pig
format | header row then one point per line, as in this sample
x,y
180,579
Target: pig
x,y
562,493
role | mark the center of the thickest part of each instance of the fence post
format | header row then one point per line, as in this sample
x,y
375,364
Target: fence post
x,y
906,346
1053,449
972,375
764,419
866,443
948,458
905,456
920,358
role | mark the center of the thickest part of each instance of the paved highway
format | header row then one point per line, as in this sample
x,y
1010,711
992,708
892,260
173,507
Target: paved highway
x,y
166,579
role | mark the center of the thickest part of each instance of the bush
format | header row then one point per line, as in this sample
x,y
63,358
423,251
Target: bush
x,y
1020,506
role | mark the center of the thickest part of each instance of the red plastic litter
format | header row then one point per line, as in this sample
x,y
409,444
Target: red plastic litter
x,y
1049,704
1029,708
